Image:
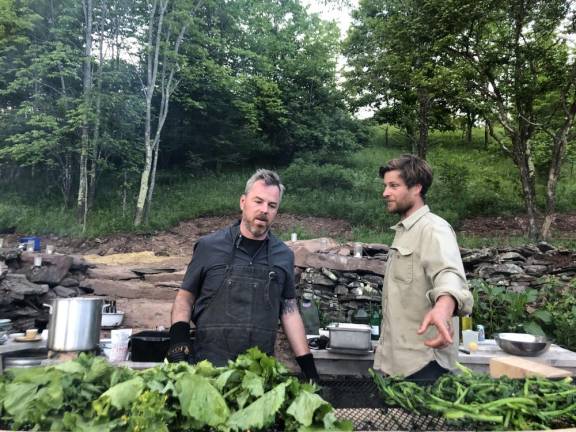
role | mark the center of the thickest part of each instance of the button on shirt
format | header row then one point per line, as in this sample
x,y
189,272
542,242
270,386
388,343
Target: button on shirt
x,y
423,263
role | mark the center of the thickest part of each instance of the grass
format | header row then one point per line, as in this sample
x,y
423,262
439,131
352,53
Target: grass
x,y
468,182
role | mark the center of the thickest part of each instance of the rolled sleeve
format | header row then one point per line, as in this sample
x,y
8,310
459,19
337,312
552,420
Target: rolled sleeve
x,y
443,266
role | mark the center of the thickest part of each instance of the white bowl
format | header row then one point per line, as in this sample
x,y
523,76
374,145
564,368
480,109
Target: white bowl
x,y
112,319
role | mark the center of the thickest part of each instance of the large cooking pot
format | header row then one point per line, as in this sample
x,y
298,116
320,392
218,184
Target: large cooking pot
x,y
74,323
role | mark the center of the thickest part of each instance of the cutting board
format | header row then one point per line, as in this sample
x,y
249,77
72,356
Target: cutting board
x,y
519,367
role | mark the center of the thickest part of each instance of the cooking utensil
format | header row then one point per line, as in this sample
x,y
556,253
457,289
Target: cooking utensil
x,y
110,319
74,323
522,344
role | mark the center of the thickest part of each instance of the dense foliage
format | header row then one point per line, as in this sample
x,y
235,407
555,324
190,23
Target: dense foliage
x,y
87,394
425,64
473,401
549,311
97,92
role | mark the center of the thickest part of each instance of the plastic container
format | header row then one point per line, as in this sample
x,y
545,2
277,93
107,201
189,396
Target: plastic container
x,y
310,315
25,240
350,336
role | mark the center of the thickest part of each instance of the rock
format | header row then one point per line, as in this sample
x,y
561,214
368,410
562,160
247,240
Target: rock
x,y
69,282
144,271
545,247
130,290
330,275
507,269
341,290
159,278
62,291
314,277
341,263
375,281
112,272
79,264
17,286
54,268
535,270
511,256
478,256
522,277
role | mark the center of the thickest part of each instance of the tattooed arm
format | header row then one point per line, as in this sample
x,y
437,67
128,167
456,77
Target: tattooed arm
x,y
294,327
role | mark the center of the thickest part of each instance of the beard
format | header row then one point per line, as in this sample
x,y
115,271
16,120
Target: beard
x,y
399,208
257,230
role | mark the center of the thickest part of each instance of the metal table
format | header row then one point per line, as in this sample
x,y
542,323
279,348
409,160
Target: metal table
x,y
338,363
12,347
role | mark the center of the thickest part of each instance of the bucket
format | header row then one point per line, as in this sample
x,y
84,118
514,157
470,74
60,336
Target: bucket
x,y
34,239
74,323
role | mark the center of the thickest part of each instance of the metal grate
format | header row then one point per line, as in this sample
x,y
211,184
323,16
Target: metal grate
x,y
390,419
358,400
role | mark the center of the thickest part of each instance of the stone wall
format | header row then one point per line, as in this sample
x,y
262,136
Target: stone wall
x,y
24,288
144,285
342,283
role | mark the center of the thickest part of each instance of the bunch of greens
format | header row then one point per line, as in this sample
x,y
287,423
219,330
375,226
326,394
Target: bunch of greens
x,y
474,401
255,392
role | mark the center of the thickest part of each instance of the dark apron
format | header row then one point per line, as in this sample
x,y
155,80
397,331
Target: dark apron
x,y
242,314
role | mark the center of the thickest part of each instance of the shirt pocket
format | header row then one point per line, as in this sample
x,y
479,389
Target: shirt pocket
x,y
402,267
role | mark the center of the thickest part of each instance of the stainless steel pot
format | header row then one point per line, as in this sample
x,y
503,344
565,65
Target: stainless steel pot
x,y
74,323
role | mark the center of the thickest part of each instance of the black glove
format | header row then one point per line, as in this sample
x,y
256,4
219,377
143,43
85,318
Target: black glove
x,y
306,363
180,348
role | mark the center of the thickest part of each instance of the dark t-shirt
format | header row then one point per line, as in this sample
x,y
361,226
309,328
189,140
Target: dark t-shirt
x,y
212,253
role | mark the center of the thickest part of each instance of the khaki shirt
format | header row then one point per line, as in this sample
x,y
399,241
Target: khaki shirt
x,y
423,263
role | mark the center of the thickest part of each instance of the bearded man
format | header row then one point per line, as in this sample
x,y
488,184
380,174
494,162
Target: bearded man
x,y
239,285
424,283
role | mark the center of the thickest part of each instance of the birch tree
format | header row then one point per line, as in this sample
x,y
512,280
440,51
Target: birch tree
x,y
82,202
167,25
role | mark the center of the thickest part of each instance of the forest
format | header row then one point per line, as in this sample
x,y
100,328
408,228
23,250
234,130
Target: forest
x,y
128,115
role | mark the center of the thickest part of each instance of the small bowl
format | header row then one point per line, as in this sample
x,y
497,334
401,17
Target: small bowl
x,y
522,344
112,319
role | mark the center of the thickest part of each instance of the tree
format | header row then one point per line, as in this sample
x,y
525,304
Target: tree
x,y
396,66
165,33
521,57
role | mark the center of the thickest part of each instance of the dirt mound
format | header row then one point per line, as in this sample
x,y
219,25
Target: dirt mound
x,y
179,240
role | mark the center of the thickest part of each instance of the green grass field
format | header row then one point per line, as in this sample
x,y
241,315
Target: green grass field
x,y
467,182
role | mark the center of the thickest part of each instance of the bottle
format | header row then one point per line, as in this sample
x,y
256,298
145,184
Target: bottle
x,y
375,321
361,316
465,324
481,333
310,314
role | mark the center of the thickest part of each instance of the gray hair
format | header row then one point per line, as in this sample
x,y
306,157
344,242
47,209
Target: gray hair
x,y
270,178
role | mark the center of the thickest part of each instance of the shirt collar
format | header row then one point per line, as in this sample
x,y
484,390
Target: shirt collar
x,y
412,219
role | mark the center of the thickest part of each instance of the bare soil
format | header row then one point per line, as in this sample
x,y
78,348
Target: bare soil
x,y
180,239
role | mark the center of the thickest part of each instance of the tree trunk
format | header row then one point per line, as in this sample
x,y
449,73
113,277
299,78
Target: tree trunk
x,y
154,38
486,135
558,152
95,155
82,204
522,158
469,128
423,112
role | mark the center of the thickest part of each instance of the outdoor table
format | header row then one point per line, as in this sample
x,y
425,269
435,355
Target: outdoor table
x,y
330,362
13,347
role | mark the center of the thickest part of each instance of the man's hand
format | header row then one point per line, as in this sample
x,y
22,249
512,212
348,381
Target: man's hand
x,y
306,363
180,348
441,317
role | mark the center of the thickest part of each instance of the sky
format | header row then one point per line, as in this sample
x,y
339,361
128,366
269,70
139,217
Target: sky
x,y
340,14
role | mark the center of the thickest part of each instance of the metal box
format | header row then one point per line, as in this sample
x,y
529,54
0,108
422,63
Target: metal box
x,y
350,336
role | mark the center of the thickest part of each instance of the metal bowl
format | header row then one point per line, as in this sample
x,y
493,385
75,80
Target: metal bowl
x,y
522,344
